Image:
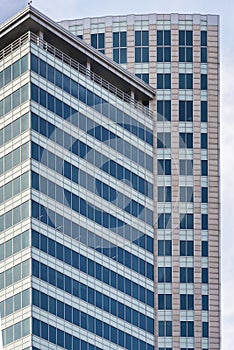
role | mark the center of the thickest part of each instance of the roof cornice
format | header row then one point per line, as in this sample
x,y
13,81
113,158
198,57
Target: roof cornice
x,y
40,22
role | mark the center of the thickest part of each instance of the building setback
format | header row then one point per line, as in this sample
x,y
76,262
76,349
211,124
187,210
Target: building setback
x,y
109,182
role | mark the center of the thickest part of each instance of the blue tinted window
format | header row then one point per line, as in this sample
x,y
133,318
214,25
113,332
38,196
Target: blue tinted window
x,y
164,167
43,69
164,274
205,248
163,110
109,112
204,168
186,248
185,81
204,82
204,111
43,243
163,46
185,140
91,324
36,327
186,111
98,41
164,301
186,275
205,276
52,334
34,63
205,329
186,328
203,38
141,54
50,76
165,328
164,194
120,47
164,140
204,222
163,81
204,54
185,46
141,46
163,54
63,197
59,251
65,140
164,248
205,302
186,167
204,141
58,78
122,282
204,46
186,221
186,194
187,302
164,221
144,77
35,239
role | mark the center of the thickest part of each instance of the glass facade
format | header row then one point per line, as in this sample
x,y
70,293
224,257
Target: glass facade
x,y
105,213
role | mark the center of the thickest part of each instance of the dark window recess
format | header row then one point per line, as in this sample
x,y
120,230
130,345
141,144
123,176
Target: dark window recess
x,y
186,111
186,81
163,46
143,76
98,41
141,46
120,47
185,46
164,110
164,81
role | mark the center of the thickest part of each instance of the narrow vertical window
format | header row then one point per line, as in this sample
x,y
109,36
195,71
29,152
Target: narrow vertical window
x,y
120,47
163,45
203,47
185,46
141,46
98,41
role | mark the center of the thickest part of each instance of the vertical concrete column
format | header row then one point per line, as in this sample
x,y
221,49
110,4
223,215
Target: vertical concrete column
x,y
108,38
88,65
213,172
40,38
175,183
197,186
87,30
132,94
155,213
41,35
152,52
152,68
131,44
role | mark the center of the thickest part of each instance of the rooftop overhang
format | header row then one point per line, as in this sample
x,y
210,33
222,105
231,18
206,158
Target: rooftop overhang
x,y
32,20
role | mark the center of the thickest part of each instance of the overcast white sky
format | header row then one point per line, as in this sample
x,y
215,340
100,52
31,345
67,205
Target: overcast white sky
x,y
70,9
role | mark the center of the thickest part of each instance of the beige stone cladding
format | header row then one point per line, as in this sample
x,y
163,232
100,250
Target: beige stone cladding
x,y
213,179
174,23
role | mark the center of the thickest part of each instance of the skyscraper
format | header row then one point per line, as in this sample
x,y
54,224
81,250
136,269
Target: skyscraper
x,y
109,214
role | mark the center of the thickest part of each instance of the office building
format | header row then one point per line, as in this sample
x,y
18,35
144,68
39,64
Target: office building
x,y
109,182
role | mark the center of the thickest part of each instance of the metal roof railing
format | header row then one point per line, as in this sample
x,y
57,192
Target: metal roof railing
x,y
14,45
